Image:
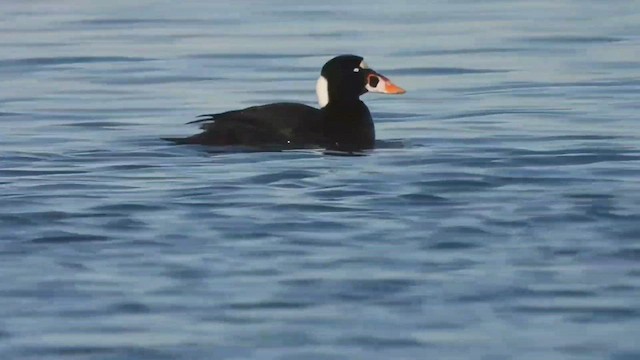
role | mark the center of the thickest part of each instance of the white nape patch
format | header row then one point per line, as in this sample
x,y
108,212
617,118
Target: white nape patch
x,y
364,65
322,91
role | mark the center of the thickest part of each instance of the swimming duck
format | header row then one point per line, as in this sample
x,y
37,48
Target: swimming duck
x,y
343,121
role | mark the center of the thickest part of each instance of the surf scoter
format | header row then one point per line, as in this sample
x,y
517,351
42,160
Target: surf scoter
x,y
343,122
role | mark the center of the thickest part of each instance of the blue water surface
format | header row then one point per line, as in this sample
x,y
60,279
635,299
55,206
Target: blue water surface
x,y
498,219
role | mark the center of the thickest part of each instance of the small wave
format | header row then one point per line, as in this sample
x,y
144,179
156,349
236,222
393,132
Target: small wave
x,y
66,238
441,71
66,60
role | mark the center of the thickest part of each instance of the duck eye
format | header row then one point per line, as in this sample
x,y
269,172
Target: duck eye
x,y
356,69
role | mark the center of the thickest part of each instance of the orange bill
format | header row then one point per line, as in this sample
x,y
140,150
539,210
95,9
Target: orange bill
x,y
381,84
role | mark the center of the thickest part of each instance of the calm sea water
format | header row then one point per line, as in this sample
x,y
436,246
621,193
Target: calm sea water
x,y
499,219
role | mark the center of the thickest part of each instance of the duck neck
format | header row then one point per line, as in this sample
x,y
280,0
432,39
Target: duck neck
x,y
345,101
348,125
336,93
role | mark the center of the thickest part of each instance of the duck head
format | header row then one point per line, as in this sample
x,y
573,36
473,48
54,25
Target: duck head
x,y
344,78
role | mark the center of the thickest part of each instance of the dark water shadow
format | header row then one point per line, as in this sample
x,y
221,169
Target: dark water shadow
x,y
67,60
391,144
239,149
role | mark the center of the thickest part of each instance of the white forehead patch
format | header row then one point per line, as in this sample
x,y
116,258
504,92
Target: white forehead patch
x,y
364,65
322,91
